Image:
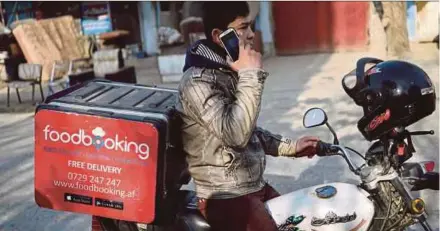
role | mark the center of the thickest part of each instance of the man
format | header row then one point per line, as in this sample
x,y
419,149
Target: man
x,y
219,104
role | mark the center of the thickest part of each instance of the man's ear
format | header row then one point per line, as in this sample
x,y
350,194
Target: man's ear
x,y
215,33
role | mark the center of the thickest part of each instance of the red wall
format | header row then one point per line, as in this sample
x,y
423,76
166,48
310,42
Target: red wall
x,y
305,27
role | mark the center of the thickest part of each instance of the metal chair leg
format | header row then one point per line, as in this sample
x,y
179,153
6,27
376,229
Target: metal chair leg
x,y
41,92
8,97
18,95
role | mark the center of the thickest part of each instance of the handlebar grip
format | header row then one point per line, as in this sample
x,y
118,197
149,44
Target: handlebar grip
x,y
431,132
325,149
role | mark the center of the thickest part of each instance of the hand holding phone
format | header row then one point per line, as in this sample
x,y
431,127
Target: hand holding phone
x,y
242,56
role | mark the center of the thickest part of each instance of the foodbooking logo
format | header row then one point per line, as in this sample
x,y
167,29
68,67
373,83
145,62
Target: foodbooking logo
x,y
98,140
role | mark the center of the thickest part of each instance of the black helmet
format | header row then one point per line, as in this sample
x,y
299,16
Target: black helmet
x,y
391,93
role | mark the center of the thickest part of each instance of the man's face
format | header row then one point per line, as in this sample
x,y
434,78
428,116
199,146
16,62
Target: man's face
x,y
242,26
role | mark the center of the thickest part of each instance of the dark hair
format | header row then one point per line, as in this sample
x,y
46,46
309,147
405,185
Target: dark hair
x,y
220,14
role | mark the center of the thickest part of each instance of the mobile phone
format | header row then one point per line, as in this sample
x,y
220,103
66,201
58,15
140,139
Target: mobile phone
x,y
230,41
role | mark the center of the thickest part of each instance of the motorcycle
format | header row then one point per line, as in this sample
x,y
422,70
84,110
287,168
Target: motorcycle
x,y
383,200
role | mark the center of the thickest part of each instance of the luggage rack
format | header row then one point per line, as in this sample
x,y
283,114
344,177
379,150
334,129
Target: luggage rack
x,y
108,94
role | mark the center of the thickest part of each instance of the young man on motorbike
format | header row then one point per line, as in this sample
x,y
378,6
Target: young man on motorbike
x,y
219,104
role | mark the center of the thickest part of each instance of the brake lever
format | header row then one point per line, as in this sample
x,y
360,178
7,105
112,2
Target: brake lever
x,y
326,149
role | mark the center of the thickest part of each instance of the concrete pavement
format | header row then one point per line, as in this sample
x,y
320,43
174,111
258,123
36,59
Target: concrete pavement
x,y
295,84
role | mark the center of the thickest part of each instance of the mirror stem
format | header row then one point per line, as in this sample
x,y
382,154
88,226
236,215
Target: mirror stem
x,y
335,140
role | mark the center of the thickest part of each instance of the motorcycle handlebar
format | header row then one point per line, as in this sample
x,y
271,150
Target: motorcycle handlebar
x,y
327,149
418,133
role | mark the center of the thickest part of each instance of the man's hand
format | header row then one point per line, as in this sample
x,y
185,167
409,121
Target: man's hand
x,y
306,146
247,57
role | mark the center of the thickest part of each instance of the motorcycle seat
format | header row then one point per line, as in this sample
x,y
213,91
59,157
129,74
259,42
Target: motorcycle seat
x,y
190,218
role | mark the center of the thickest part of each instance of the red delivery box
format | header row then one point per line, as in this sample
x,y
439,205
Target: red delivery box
x,y
108,149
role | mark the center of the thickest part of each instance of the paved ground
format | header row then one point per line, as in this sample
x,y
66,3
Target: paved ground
x,y
295,84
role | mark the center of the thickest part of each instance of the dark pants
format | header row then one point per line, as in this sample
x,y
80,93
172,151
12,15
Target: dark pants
x,y
244,213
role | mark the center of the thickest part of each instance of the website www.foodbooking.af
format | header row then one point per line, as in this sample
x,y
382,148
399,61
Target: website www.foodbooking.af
x,y
94,188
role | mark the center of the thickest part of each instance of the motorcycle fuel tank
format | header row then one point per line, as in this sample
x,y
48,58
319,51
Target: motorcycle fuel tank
x,y
326,207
